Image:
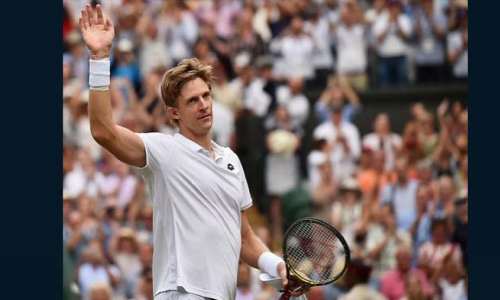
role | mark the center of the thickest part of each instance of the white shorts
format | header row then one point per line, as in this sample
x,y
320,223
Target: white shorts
x,y
178,295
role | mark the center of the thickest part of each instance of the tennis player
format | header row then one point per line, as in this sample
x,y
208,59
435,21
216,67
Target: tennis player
x,y
199,189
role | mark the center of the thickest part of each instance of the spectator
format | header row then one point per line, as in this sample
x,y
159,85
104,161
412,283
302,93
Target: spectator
x,y
352,47
222,13
125,253
145,286
427,136
294,100
393,283
458,43
382,241
296,49
246,39
322,59
358,274
430,30
374,178
445,207
315,159
433,253
101,291
145,228
244,284
344,140
181,29
94,269
125,64
224,93
347,211
414,289
120,184
261,97
392,31
459,226
450,282
383,139
401,195
334,95
324,193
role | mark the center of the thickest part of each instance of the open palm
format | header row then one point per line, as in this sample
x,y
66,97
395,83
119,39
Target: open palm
x,y
97,35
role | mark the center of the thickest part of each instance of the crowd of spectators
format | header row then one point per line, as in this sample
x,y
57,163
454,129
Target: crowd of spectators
x,y
399,199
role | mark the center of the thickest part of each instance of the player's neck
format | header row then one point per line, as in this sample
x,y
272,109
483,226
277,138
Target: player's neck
x,y
204,140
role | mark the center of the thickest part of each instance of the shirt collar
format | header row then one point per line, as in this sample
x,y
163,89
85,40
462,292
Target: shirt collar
x,y
218,150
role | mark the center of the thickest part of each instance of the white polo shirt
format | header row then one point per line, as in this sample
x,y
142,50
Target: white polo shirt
x,y
197,215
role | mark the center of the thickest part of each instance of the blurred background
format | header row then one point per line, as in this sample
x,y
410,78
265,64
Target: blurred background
x,y
351,111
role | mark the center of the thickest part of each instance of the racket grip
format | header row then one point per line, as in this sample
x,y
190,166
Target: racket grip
x,y
286,295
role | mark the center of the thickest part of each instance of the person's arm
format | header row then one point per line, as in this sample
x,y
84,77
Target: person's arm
x,y
257,255
126,145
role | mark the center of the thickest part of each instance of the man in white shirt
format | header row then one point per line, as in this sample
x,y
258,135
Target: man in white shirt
x,y
392,31
199,189
345,142
294,100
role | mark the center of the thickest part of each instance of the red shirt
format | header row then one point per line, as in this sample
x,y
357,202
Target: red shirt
x,y
392,284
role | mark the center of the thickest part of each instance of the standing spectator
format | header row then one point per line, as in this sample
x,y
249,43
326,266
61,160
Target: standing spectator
x,y
223,125
145,286
315,159
296,49
344,140
224,93
125,64
459,228
420,230
401,195
294,100
427,135
84,178
223,13
335,94
411,149
322,59
449,281
101,291
383,139
393,283
458,44
351,46
372,180
382,241
430,30
246,39
153,49
181,29
392,32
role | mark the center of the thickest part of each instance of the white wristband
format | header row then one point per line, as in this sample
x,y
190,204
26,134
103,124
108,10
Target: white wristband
x,y
268,263
99,73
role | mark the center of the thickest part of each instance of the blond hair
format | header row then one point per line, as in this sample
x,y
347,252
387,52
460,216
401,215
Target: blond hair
x,y
175,78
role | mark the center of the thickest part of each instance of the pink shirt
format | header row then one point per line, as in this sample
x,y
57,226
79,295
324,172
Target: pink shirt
x,y
392,284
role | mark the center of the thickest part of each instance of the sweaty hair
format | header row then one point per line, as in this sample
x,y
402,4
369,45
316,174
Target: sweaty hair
x,y
175,78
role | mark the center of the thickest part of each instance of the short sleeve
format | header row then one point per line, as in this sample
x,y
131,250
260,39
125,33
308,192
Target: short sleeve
x,y
157,147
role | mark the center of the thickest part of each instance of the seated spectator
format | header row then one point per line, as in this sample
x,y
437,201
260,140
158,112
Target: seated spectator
x,y
430,30
358,273
420,230
459,226
344,140
101,291
445,201
411,149
153,47
383,139
351,46
347,211
125,64
432,254
334,95
144,290
393,283
323,194
85,178
392,31
382,241
450,282
413,288
401,195
225,93
315,159
427,135
372,180
121,183
125,253
94,270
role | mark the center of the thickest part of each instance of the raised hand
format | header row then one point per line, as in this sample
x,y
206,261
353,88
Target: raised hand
x,y
97,35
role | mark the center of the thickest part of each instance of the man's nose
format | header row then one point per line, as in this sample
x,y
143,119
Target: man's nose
x,y
203,103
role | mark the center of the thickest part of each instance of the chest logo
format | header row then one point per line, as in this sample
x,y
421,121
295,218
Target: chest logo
x,y
230,167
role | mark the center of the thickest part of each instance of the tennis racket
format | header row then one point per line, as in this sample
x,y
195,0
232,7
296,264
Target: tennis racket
x,y
315,254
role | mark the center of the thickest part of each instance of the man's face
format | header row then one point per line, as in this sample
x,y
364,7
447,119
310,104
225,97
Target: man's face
x,y
194,108
403,258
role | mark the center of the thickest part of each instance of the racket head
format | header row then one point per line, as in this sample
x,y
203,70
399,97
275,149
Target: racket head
x,y
315,252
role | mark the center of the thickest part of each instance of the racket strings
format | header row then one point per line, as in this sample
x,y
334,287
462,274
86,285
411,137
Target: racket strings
x,y
315,253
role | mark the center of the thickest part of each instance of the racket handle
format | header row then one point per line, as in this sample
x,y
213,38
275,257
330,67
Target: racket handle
x,y
286,295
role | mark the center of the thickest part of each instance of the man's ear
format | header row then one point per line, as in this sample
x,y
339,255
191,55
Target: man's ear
x,y
173,113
